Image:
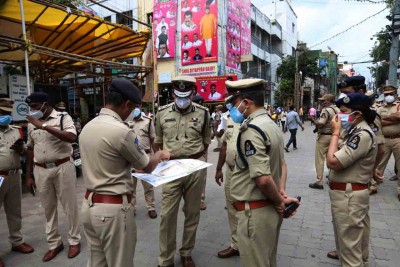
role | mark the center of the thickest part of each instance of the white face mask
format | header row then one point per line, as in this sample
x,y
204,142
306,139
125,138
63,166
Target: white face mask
x,y
182,102
342,95
38,114
389,99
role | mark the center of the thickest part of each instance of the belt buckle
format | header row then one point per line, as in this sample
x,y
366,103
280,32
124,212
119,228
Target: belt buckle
x,y
50,165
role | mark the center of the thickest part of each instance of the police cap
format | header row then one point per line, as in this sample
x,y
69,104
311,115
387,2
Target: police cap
x,y
127,89
60,106
328,97
183,85
37,97
387,89
6,104
354,101
245,86
354,81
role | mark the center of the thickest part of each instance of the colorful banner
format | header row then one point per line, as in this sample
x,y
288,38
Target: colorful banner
x,y
199,31
206,69
164,27
238,32
213,88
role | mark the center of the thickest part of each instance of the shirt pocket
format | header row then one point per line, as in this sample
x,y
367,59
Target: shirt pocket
x,y
169,130
194,129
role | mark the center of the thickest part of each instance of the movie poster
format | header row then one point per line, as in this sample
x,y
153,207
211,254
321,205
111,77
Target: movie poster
x,y
238,32
199,31
212,88
164,27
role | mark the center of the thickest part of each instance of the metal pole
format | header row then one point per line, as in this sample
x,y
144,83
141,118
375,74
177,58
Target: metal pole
x,y
394,50
296,82
28,83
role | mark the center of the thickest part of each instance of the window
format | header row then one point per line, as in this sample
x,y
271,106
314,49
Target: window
x,y
108,18
150,18
293,27
124,20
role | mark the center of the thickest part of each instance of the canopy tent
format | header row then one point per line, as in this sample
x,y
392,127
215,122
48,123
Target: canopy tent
x,y
67,40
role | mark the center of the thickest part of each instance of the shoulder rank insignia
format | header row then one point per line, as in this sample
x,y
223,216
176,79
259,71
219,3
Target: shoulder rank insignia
x,y
165,107
249,149
353,142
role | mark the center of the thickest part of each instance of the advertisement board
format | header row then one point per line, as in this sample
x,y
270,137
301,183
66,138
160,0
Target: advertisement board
x,y
238,32
18,93
164,27
199,31
213,88
206,69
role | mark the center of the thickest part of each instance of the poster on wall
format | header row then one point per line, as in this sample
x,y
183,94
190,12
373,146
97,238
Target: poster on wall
x,y
238,32
164,27
199,31
212,88
18,93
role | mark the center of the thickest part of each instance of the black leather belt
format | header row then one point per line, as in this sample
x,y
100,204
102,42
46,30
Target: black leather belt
x,y
325,133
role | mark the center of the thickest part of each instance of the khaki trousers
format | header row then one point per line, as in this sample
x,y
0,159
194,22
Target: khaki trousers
x,y
148,194
190,188
258,234
58,183
391,146
351,224
10,196
230,208
203,194
110,230
321,148
219,142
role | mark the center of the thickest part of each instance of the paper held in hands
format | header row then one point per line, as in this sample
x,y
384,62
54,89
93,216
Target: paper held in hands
x,y
171,170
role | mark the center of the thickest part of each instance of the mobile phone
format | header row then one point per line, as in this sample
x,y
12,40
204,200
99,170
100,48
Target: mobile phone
x,y
33,190
291,207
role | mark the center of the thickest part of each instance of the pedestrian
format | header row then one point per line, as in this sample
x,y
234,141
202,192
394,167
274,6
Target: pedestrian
x,y
217,121
144,130
391,130
301,114
283,119
255,181
323,125
50,138
351,160
11,149
109,149
182,128
312,113
292,123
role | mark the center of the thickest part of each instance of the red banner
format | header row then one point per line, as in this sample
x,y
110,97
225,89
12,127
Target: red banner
x,y
238,32
199,31
212,88
164,27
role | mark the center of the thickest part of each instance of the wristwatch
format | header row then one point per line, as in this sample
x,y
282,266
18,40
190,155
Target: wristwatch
x,y
44,126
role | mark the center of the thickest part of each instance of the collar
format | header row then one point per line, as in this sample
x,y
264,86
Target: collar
x,y
139,119
191,108
109,112
53,115
257,113
6,129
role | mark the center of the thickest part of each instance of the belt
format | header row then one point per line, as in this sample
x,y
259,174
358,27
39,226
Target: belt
x,y
194,156
342,186
56,163
241,205
108,199
325,133
392,136
12,171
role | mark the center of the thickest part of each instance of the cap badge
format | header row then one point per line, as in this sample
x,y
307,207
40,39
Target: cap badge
x,y
346,99
182,86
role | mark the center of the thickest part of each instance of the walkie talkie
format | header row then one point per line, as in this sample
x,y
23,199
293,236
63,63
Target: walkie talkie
x,y
291,207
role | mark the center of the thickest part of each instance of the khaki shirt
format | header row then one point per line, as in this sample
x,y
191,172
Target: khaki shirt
x,y
263,157
109,149
326,117
46,147
376,127
9,159
385,111
183,134
230,137
144,129
357,153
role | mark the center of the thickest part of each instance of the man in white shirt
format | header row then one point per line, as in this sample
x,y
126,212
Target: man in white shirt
x,y
160,25
186,43
214,95
196,41
188,25
186,58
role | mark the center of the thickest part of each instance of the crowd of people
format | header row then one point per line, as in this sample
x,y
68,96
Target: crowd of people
x,y
354,136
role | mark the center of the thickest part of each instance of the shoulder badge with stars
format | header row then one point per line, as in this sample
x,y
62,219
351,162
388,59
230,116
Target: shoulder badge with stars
x,y
249,149
323,115
165,107
138,144
353,142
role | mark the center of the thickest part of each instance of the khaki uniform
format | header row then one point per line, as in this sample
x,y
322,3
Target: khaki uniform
x,y
392,139
376,127
351,222
144,129
183,135
55,182
258,229
230,137
107,160
10,190
323,140
217,120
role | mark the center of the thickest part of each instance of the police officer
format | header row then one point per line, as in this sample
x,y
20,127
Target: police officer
x,y
11,147
49,158
217,121
323,125
351,161
144,129
109,149
182,128
390,114
255,181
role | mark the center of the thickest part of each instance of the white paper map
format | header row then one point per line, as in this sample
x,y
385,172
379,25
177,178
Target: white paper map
x,y
171,170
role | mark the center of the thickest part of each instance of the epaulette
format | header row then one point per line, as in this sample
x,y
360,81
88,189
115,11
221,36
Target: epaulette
x,y
147,117
15,127
165,107
200,106
130,124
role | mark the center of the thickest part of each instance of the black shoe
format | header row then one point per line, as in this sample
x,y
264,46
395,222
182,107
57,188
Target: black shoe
x,y
295,148
286,149
316,186
393,178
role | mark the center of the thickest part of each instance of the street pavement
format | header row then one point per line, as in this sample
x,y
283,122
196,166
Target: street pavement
x,y
304,241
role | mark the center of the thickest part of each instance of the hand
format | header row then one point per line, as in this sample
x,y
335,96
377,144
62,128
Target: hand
x,y
30,182
395,117
18,146
219,177
137,171
283,193
378,176
302,128
164,155
336,124
37,123
289,200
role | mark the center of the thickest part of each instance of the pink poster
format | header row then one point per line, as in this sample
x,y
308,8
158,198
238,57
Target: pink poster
x,y
164,27
238,31
199,31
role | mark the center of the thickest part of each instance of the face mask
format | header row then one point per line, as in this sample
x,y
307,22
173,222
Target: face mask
x,y
228,106
182,102
342,95
346,121
389,99
38,114
236,116
137,112
5,120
